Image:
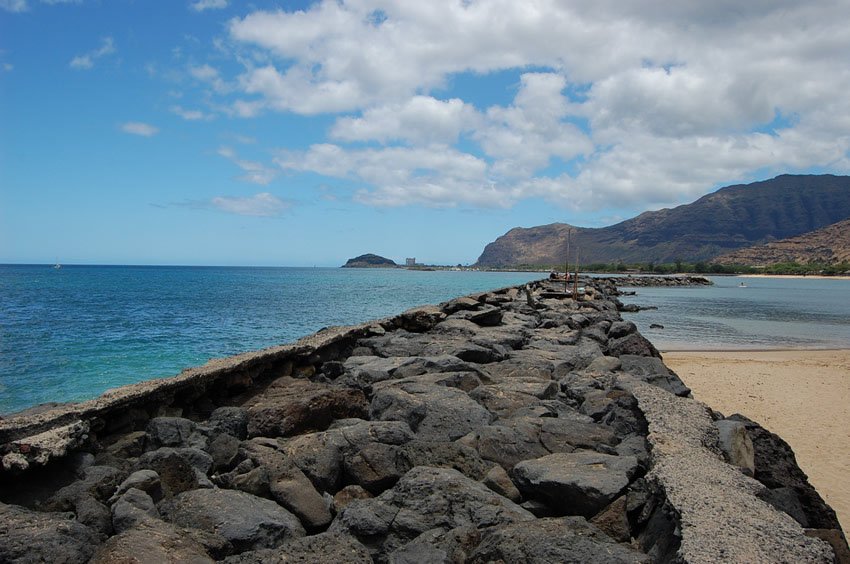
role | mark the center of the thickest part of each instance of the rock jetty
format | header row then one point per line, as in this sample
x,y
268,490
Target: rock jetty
x,y
503,426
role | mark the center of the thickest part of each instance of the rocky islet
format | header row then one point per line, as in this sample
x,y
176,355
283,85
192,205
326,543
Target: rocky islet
x,y
503,426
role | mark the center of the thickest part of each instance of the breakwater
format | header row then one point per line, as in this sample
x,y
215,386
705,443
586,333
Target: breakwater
x,y
504,425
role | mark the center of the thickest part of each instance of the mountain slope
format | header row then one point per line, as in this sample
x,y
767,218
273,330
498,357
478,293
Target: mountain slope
x,y
828,246
730,218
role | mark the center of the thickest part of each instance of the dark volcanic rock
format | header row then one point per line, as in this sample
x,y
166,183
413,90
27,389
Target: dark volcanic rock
x,y
246,521
776,467
133,507
568,539
432,412
321,455
30,536
653,371
424,499
291,406
577,483
325,547
152,542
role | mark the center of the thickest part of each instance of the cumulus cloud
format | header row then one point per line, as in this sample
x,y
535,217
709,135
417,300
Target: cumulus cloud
x,y
255,172
139,128
258,205
421,119
642,103
190,115
87,60
202,5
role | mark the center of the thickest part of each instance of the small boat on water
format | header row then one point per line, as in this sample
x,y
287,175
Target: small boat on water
x,y
742,285
57,266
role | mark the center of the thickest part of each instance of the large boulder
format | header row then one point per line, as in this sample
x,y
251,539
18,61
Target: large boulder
x,y
174,432
246,521
432,412
321,456
290,406
566,539
576,483
31,536
505,398
152,542
423,499
287,484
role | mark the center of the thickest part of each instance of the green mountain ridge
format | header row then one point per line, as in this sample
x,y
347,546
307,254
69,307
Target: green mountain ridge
x,y
731,218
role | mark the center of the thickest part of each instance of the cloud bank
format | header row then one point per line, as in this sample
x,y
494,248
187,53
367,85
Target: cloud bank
x,y
613,104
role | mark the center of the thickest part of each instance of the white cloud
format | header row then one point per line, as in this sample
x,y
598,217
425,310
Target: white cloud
x,y
14,6
647,102
258,205
202,5
139,128
420,119
8,67
86,61
210,75
255,172
190,115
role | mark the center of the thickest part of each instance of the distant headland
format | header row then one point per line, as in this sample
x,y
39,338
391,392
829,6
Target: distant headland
x,y
370,260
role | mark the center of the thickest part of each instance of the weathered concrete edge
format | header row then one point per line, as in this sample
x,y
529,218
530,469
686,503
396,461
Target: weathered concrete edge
x,y
17,428
720,518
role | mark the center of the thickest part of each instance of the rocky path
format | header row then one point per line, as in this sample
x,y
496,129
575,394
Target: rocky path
x,y
503,426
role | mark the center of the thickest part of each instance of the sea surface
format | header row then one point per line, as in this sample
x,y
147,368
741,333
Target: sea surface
x,y
72,333
69,334
764,313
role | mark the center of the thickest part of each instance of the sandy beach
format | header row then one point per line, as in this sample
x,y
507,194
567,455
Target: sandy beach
x,y
803,396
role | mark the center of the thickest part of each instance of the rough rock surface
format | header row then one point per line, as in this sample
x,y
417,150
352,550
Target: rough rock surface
x,y
30,536
242,519
512,425
425,498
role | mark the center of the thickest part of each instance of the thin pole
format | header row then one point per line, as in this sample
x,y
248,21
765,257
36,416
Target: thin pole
x,y
575,281
567,264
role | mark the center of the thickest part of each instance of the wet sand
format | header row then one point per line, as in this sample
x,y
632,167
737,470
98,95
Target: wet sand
x,y
803,396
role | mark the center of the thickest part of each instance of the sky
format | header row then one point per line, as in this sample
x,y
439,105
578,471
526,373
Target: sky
x,y
217,132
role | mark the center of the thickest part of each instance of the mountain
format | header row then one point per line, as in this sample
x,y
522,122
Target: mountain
x,y
731,218
828,246
369,261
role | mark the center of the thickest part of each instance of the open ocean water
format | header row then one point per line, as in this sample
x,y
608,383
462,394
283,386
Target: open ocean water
x,y
69,334
72,333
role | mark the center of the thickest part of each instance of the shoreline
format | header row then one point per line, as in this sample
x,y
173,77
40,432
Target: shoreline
x,y
803,395
795,276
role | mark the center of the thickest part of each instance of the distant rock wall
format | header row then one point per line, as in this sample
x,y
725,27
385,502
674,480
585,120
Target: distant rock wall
x,y
516,425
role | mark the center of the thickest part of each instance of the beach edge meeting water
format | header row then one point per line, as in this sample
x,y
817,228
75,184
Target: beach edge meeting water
x,y
527,356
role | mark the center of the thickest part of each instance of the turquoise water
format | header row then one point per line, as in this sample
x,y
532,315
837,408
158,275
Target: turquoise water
x,y
72,333
767,313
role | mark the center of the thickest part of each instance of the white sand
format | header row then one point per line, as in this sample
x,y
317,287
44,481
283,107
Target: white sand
x,y
803,396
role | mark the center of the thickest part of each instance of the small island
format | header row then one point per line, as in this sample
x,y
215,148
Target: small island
x,y
369,260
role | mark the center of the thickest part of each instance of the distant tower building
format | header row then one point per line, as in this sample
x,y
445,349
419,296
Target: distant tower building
x,y
410,261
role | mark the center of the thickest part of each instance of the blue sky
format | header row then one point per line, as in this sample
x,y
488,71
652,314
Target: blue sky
x,y
302,133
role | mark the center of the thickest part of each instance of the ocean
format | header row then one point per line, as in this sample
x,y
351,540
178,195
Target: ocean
x,y
69,334
764,313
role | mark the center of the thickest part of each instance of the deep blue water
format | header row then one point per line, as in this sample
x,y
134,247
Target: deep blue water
x,y
766,313
72,333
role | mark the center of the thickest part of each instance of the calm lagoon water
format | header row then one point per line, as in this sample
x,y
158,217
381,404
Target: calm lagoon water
x,y
768,313
72,333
